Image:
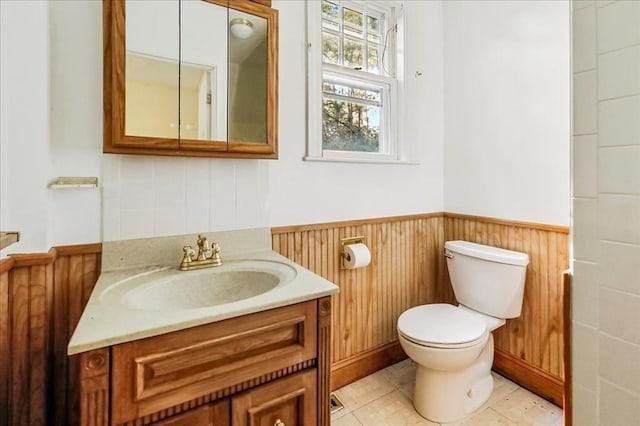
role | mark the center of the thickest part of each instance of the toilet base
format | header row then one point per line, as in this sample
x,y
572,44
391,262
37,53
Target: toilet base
x,y
449,396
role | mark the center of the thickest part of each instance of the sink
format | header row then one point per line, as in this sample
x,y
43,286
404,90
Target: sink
x,y
169,289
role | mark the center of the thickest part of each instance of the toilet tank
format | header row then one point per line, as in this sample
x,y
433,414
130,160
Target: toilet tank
x,y
487,279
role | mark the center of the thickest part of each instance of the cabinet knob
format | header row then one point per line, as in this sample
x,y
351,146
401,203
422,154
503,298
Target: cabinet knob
x,y
279,423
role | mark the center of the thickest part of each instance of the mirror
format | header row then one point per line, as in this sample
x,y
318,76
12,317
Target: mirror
x,y
190,77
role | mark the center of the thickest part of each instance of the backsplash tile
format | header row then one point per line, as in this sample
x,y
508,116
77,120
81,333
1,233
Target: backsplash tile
x,y
161,196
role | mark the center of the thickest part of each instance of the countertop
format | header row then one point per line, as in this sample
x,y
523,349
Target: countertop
x,y
104,324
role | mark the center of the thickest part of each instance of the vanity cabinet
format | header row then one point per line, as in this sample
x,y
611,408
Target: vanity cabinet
x,y
265,368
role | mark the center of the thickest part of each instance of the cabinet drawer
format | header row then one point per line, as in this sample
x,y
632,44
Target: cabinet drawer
x,y
160,372
217,414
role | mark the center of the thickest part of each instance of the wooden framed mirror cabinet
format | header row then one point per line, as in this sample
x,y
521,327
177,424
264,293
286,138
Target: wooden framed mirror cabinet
x,y
195,78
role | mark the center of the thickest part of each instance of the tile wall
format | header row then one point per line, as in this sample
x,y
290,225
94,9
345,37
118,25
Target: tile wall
x,y
146,196
606,212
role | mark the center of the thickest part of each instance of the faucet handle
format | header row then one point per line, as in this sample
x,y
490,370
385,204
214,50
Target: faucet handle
x,y
186,258
215,254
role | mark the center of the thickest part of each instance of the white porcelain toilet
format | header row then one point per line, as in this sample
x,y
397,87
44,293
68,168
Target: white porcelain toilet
x,y
453,345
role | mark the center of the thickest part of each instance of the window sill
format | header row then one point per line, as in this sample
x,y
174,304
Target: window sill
x,y
361,160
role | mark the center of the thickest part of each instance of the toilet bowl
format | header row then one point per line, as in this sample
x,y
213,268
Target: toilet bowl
x,y
452,346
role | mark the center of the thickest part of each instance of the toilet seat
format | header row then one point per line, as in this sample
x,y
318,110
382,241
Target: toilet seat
x,y
441,325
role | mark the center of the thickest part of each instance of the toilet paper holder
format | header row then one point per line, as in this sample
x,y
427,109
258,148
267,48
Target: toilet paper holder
x,y
345,242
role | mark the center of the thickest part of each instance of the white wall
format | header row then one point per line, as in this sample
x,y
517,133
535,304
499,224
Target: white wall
x,y
24,126
606,213
507,91
310,192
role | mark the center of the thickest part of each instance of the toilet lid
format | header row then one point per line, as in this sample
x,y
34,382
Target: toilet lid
x,y
441,324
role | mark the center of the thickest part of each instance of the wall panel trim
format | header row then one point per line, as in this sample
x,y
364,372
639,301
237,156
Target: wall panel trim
x,y
507,222
358,222
365,363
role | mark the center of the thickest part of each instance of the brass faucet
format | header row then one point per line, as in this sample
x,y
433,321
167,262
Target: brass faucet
x,y
201,260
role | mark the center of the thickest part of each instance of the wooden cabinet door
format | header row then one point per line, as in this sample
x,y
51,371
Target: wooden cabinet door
x,y
290,401
216,414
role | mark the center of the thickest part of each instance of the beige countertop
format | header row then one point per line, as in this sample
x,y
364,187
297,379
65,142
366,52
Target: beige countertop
x,y
105,322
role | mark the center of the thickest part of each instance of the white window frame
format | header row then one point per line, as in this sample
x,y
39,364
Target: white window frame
x,y
391,134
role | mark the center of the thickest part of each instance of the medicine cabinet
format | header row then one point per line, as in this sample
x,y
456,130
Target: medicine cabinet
x,y
190,78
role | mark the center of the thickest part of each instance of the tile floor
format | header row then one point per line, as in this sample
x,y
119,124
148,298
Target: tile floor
x,y
384,399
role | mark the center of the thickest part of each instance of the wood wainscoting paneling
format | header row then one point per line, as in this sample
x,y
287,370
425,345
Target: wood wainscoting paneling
x,y
529,349
41,299
406,261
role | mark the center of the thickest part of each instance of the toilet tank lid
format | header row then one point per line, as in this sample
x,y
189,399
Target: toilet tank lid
x,y
490,253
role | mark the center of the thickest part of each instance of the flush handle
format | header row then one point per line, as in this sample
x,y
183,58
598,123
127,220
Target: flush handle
x,y
448,254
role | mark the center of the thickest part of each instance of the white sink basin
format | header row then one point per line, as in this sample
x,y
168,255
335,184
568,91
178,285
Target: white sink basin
x,y
171,289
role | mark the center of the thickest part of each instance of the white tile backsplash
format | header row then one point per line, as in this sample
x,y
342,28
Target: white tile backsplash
x,y
619,121
619,170
585,166
585,106
584,39
161,196
618,25
619,73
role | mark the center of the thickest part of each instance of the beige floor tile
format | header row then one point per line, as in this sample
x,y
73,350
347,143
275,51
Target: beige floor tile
x,y
348,420
339,414
526,408
365,390
485,417
501,388
402,375
393,409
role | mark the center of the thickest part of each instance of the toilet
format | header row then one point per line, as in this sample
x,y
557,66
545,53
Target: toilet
x,y
452,346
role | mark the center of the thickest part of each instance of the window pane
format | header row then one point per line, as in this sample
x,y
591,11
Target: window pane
x,y
373,61
373,29
330,48
353,53
330,10
350,126
353,22
370,95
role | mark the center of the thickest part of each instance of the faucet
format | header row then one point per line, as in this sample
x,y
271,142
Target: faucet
x,y
201,260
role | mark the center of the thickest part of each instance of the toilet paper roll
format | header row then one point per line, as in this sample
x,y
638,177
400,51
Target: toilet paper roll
x,y
356,256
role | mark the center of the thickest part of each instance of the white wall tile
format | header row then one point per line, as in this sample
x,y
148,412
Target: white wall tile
x,y
137,223
619,170
619,73
585,227
585,166
222,197
602,3
110,219
619,266
618,25
619,121
250,209
585,294
585,106
136,195
170,193
620,315
617,406
585,406
170,221
136,167
584,39
619,362
584,361
619,218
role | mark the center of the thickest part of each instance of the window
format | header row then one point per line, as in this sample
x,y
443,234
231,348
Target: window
x,y
354,79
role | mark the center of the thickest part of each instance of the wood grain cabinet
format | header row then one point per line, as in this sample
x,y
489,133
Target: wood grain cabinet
x,y
267,368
